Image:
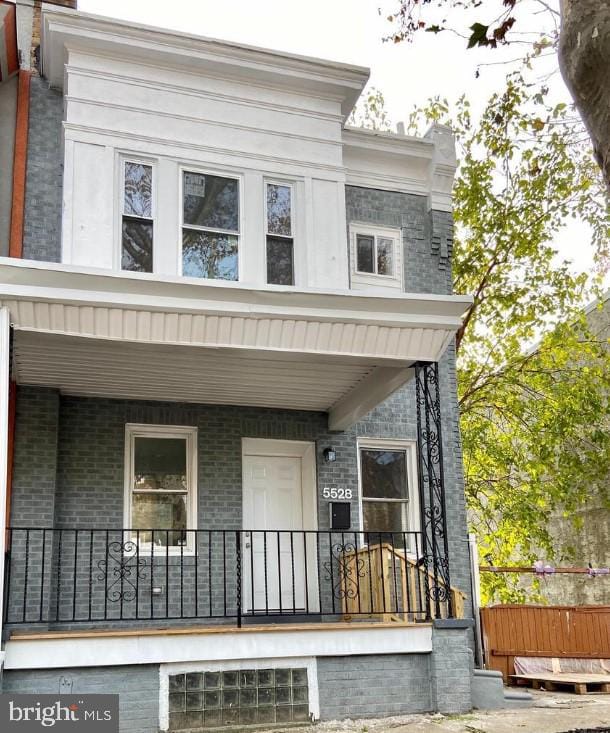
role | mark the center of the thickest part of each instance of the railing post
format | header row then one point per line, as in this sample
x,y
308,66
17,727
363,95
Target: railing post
x,y
432,487
238,576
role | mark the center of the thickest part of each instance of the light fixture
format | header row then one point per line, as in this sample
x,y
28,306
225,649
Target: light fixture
x,y
330,455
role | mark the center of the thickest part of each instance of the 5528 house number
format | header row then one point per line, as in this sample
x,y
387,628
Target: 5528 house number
x,y
329,493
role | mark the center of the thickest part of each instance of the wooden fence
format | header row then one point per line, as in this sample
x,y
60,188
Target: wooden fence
x,y
511,631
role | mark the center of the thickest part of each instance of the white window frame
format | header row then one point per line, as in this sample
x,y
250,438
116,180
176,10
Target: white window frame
x,y
239,177
124,157
291,186
144,430
413,513
371,279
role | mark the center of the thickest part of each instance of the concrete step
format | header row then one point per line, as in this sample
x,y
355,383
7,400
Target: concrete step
x,y
489,693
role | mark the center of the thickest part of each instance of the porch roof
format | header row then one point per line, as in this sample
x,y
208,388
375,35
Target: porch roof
x,y
93,332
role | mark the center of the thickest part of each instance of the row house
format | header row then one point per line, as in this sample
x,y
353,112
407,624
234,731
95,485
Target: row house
x,y
230,465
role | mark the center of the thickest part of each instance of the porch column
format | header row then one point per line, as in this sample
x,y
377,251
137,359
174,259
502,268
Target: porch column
x,y
4,401
432,487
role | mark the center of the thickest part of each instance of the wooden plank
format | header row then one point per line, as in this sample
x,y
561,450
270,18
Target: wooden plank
x,y
581,683
199,630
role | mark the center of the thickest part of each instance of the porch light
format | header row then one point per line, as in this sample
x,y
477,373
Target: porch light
x,y
330,455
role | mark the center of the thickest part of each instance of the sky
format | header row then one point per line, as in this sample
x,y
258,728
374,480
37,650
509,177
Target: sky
x,y
352,31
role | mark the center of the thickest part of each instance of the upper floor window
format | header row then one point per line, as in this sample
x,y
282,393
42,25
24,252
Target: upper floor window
x,y
137,217
210,226
375,256
280,238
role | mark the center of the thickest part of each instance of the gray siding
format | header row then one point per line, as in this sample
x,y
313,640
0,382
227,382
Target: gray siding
x,y
137,685
43,186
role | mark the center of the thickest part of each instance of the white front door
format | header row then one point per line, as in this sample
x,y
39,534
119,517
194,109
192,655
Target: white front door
x,y
274,543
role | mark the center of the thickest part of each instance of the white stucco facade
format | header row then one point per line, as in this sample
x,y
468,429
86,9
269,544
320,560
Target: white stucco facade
x,y
219,109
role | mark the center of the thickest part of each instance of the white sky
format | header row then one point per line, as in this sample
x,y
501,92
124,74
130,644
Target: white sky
x,y
350,31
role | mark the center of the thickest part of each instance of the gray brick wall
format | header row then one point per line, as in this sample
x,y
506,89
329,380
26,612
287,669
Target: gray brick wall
x,y
450,670
44,173
138,686
369,686
427,236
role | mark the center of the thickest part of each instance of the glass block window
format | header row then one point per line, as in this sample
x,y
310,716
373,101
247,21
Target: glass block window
x,y
210,226
238,698
280,237
137,217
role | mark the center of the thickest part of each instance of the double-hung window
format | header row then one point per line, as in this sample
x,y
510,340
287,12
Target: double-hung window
x,y
389,500
375,256
137,217
160,497
280,237
210,226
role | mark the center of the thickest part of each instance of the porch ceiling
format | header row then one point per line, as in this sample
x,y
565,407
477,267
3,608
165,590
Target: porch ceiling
x,y
83,366
93,332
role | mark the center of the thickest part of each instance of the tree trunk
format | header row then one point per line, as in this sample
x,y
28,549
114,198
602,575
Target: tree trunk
x,y
584,56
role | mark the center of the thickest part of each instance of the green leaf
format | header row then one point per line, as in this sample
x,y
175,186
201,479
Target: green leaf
x,y
479,35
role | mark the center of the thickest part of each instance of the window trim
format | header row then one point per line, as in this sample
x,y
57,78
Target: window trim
x,y
410,449
291,185
146,430
374,279
124,157
239,177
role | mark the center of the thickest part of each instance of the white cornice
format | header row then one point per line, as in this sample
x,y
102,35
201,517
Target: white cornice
x,y
388,142
63,283
137,41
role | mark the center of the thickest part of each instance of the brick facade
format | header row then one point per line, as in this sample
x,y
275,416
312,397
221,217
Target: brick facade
x,y
137,685
44,174
361,687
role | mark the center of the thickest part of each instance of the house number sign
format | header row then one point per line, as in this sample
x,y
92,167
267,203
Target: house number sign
x,y
333,493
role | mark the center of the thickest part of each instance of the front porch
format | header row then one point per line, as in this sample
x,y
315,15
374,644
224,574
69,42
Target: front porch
x,y
103,578
250,519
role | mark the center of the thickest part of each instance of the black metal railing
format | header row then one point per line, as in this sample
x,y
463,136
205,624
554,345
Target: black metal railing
x,y
64,576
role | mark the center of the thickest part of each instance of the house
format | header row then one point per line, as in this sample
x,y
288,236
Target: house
x,y
227,397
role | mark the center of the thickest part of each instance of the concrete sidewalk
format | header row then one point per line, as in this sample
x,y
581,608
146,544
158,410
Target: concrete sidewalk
x,y
552,712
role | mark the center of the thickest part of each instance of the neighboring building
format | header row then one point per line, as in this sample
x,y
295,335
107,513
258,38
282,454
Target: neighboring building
x,y
235,484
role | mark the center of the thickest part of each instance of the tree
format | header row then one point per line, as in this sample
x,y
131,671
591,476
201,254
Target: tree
x,y
532,416
582,38
584,55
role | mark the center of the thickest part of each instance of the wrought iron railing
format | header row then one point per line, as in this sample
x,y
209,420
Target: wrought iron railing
x,y
65,576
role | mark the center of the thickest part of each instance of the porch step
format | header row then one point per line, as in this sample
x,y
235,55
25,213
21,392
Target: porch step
x,y
292,618
489,693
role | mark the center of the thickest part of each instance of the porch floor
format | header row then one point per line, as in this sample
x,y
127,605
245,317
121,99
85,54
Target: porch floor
x,y
216,629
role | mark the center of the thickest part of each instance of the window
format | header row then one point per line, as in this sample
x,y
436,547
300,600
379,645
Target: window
x,y
375,257
280,241
389,499
210,226
160,484
137,217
